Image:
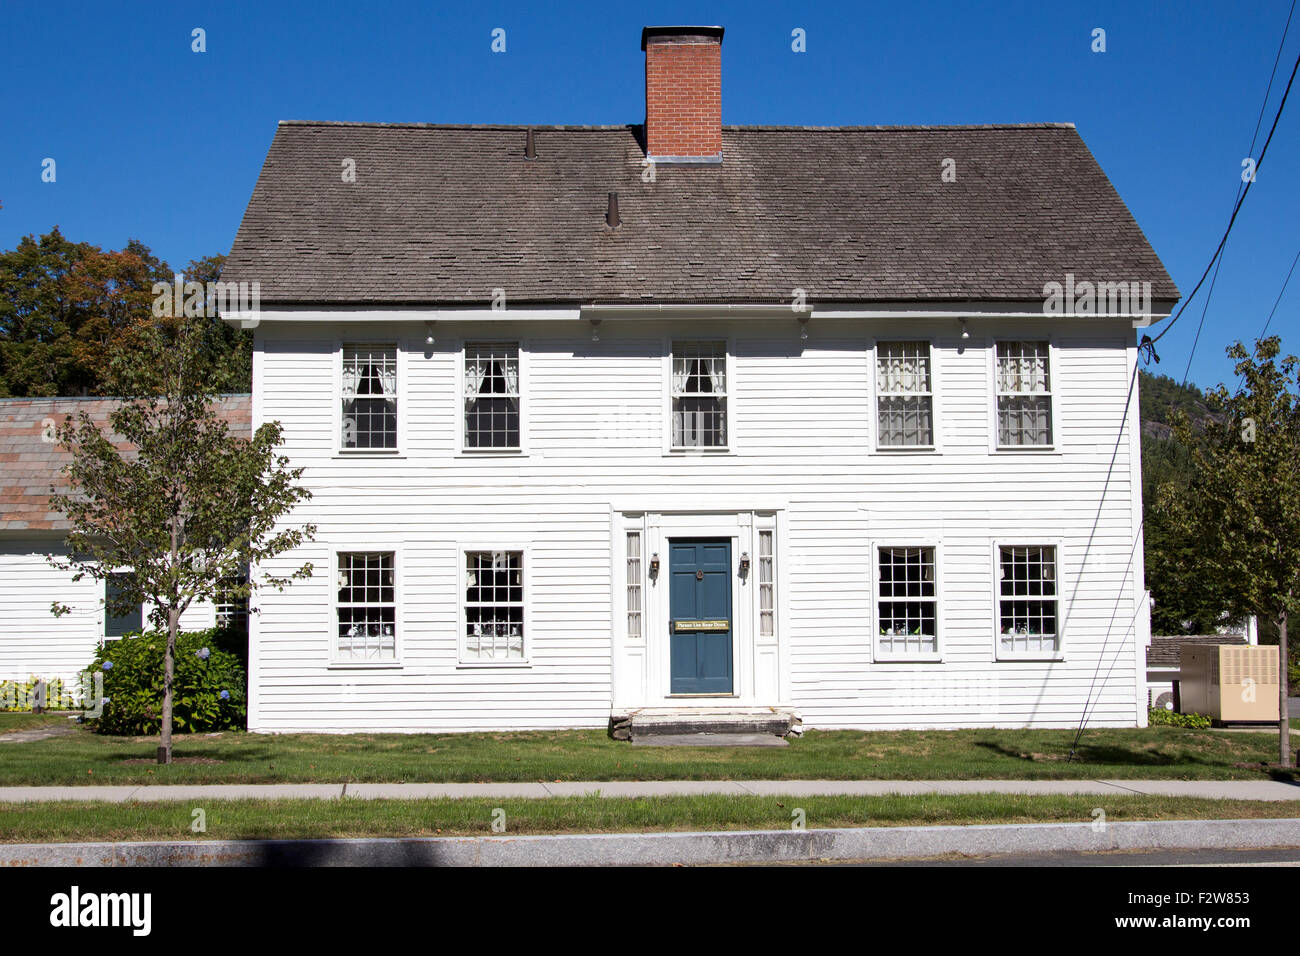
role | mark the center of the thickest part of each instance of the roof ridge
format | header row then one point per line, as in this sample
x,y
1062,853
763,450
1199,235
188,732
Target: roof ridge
x,y
95,398
596,127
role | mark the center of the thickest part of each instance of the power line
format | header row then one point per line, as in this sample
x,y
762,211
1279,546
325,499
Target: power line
x,y
1150,343
1236,209
1209,293
1285,282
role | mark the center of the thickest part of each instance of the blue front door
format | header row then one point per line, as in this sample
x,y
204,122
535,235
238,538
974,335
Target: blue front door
x,y
699,623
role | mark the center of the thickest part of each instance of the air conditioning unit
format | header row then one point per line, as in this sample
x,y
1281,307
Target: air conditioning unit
x,y
1229,682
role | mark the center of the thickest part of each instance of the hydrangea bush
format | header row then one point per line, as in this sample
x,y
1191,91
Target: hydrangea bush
x,y
210,684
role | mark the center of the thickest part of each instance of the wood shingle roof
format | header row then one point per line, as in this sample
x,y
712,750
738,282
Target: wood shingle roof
x,y
447,214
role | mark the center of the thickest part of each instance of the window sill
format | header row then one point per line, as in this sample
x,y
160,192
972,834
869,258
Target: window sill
x,y
687,452
340,453
907,450
1041,657
364,665
491,452
936,658
1025,449
492,665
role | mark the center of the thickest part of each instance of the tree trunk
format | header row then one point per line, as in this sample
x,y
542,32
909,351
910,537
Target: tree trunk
x,y
1284,719
169,673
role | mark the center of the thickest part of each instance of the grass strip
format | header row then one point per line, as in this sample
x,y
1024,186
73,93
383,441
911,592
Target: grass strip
x,y
351,817
82,757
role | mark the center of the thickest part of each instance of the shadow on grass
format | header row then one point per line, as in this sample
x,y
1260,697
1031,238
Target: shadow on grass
x,y
1100,754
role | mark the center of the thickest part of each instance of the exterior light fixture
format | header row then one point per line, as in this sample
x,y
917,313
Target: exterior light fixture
x,y
965,333
595,330
428,333
744,563
654,565
803,327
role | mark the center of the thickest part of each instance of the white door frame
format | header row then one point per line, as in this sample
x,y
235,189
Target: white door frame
x,y
642,666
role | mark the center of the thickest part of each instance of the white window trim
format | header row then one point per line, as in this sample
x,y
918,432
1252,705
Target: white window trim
x,y
1053,376
1062,590
524,380
883,657
336,397
936,406
399,620
463,661
730,448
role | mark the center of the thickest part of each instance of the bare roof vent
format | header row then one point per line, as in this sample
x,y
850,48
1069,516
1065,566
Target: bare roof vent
x,y
611,214
530,148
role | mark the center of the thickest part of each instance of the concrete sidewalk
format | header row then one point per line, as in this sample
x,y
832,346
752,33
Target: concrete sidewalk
x,y
1214,789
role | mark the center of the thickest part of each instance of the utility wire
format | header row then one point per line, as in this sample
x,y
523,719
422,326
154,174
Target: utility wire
x,y
1236,210
1149,344
1254,137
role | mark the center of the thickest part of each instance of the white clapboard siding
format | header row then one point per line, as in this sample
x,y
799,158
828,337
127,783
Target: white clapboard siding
x,y
35,643
802,423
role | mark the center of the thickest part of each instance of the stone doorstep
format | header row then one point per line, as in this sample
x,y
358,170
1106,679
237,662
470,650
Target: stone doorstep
x,y
675,722
728,739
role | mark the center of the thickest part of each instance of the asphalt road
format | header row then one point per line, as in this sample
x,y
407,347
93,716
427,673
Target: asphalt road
x,y
1160,858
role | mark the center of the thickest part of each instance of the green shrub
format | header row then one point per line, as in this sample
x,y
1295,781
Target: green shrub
x,y
133,685
1159,716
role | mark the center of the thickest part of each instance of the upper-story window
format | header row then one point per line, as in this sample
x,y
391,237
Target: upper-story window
x,y
492,396
699,394
369,397
904,395
1024,394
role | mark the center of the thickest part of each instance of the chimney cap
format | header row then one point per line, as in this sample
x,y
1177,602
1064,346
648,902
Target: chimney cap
x,y
648,32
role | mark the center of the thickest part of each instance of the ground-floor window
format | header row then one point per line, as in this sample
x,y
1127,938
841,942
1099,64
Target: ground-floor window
x,y
119,625
494,605
907,602
367,606
1027,596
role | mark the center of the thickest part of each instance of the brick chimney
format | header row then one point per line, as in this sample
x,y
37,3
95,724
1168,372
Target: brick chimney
x,y
683,94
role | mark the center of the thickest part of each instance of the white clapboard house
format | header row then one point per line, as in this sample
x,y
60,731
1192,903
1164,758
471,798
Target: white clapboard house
x,y
691,419
34,643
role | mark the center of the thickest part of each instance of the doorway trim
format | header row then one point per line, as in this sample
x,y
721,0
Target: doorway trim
x,y
641,665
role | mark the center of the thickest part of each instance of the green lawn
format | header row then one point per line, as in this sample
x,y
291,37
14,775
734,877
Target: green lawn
x,y
1161,752
285,819
12,722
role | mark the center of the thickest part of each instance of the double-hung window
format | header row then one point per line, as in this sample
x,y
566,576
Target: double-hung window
x,y
492,396
494,606
699,395
904,395
367,606
1024,394
368,387
1028,623
907,602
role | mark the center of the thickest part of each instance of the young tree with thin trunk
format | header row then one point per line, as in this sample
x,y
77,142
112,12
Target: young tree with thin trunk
x,y
176,505
1242,505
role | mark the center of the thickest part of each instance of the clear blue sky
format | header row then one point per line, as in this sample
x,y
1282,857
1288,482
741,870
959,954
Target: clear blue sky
x,y
162,144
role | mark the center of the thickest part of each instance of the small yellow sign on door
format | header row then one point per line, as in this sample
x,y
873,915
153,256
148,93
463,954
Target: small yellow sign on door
x,y
701,625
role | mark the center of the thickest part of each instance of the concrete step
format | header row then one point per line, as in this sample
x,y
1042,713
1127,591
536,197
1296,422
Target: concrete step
x,y
648,723
709,740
